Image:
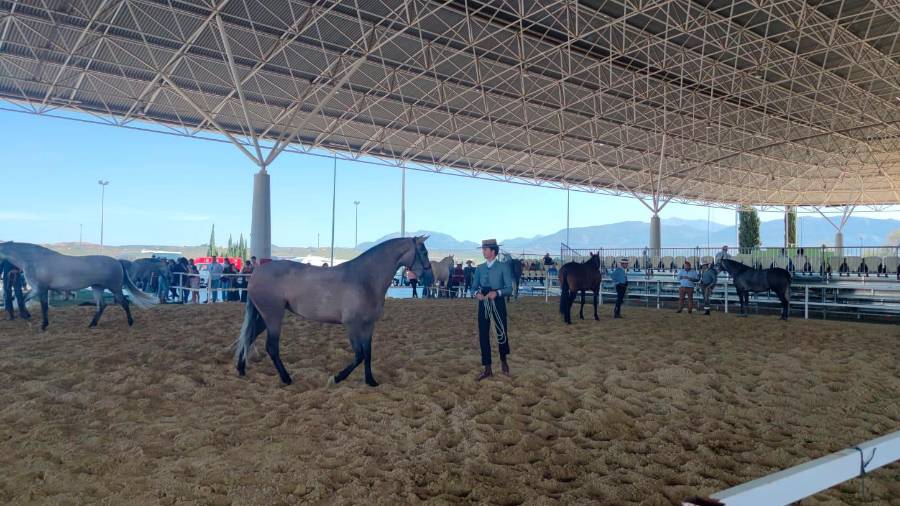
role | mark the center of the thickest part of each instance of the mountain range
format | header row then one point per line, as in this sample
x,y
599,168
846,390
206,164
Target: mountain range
x,y
676,232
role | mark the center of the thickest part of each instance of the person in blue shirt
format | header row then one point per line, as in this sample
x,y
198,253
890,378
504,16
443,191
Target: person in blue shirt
x,y
619,277
491,281
687,277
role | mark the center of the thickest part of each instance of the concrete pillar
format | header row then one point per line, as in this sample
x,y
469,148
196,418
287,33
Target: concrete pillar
x,y
839,244
655,236
261,226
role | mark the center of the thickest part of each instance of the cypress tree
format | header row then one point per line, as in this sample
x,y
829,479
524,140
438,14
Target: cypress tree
x,y
748,234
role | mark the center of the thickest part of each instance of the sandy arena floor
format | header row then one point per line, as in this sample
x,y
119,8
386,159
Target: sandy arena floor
x,y
645,410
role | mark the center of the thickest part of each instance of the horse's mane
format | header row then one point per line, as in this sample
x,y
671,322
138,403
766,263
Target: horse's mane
x,y
594,260
737,266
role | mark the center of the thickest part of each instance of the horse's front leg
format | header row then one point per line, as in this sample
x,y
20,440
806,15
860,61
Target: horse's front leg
x,y
596,302
581,311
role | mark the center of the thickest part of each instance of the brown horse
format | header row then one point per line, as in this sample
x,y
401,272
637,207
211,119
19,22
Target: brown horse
x,y
575,277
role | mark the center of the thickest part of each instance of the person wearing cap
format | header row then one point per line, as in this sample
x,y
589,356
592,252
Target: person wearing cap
x,y
686,279
491,281
469,273
619,276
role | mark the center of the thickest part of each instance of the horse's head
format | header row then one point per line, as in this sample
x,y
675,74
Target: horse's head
x,y
416,258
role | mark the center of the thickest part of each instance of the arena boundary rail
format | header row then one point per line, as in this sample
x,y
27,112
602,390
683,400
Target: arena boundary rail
x,y
881,298
807,479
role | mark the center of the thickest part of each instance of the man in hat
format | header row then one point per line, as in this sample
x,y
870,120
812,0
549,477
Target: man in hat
x,y
491,281
469,272
619,276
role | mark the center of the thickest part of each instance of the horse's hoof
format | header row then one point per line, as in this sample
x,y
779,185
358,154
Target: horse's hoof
x,y
287,381
372,383
331,382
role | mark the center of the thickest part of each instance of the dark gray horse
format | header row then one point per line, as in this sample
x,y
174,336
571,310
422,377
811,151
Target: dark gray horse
x,y
47,270
351,293
747,279
516,268
143,269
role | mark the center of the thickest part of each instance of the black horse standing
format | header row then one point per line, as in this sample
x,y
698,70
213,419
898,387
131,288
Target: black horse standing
x,y
577,277
747,279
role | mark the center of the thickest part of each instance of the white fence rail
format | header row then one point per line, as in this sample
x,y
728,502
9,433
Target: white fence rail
x,y
799,482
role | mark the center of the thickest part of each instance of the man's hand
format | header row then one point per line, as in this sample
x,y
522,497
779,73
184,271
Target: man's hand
x,y
479,295
492,295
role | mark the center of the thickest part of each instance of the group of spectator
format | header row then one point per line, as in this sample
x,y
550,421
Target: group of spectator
x,y
224,281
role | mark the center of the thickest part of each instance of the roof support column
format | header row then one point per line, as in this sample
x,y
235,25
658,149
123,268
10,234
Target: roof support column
x,y
839,227
261,224
655,236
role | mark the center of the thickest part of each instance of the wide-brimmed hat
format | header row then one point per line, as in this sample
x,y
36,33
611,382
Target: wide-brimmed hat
x,y
623,260
489,243
469,262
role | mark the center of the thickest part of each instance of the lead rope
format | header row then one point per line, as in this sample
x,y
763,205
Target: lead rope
x,y
493,315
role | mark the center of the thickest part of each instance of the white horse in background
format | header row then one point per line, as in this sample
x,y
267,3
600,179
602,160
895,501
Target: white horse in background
x,y
441,272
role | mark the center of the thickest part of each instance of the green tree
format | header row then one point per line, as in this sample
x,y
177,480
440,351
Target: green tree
x,y
242,246
229,252
748,232
211,249
792,227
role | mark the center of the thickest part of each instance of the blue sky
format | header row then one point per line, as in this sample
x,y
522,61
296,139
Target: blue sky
x,y
170,190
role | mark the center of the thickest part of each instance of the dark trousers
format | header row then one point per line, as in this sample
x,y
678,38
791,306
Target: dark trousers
x,y
620,296
414,283
484,332
9,287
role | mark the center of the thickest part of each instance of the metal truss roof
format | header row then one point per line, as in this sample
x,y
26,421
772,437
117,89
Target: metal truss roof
x,y
769,102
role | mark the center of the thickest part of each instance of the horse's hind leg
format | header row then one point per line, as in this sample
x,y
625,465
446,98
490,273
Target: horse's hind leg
x,y
581,311
123,301
785,305
98,299
357,338
367,352
272,346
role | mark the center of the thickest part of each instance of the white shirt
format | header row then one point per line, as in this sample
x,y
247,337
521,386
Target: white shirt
x,y
490,263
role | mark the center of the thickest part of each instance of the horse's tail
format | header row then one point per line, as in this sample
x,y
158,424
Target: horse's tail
x,y
141,298
248,332
563,292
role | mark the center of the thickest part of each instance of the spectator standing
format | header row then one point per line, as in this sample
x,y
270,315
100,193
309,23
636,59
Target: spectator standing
x,y
195,282
469,273
687,277
215,280
722,254
619,276
413,282
247,271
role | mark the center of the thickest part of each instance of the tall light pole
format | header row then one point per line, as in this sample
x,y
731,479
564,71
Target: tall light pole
x,y
102,184
356,224
333,206
403,204
567,218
